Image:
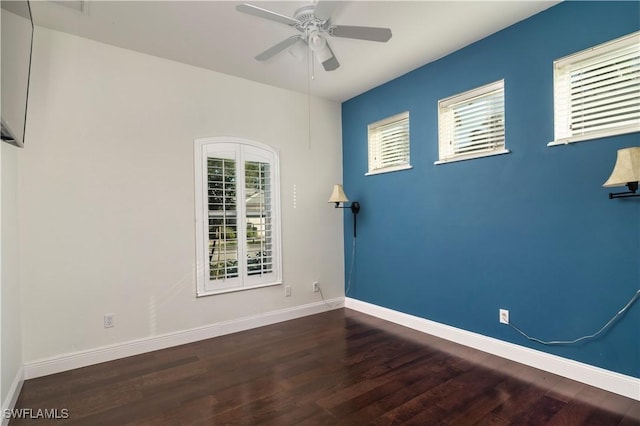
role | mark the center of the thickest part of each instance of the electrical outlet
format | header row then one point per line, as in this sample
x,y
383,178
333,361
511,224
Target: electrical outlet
x,y
504,316
287,291
316,286
109,320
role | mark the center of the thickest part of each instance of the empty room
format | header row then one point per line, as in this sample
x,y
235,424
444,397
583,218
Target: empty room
x,y
319,213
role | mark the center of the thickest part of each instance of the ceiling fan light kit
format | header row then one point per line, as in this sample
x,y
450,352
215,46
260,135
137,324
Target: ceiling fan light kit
x,y
316,41
314,22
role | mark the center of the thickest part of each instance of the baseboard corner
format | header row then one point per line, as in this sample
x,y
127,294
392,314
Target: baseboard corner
x,y
12,396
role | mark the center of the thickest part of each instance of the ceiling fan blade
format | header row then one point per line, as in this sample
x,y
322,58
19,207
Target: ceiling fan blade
x,y
361,33
272,51
266,14
324,9
332,63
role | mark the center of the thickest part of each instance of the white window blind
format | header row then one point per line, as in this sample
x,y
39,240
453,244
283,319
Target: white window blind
x,y
237,216
389,144
597,91
258,217
222,246
472,124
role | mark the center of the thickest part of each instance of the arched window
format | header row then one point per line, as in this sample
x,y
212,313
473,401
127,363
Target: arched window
x,y
237,215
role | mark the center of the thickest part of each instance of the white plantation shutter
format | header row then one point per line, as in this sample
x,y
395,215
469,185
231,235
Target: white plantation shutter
x,y
237,215
471,124
389,144
259,202
222,246
597,91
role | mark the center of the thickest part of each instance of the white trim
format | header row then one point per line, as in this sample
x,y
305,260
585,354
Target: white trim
x,y
398,117
471,94
472,156
604,379
84,358
600,48
595,135
12,397
236,289
389,169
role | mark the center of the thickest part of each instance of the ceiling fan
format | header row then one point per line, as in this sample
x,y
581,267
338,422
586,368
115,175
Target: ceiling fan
x,y
314,22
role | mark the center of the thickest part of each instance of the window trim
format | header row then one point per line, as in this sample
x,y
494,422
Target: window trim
x,y
584,55
463,97
472,156
200,165
389,169
385,121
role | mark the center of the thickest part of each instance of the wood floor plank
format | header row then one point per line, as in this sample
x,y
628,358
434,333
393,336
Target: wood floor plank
x,y
336,368
631,416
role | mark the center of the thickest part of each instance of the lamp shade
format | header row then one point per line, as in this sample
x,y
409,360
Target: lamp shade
x,y
627,168
338,195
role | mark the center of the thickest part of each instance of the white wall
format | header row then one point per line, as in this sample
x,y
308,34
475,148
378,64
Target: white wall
x,y
14,67
10,330
107,194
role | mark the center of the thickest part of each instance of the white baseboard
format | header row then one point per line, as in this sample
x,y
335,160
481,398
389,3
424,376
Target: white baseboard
x,y
12,397
84,358
604,379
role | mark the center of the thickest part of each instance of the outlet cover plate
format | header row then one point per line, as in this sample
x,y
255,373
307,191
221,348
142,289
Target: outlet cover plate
x,y
109,321
504,316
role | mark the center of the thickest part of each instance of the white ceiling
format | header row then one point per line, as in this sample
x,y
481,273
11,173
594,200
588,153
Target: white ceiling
x,y
213,35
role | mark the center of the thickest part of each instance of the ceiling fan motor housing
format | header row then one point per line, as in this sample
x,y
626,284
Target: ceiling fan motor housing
x,y
312,27
308,20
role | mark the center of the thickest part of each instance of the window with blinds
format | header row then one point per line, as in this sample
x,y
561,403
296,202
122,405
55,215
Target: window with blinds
x,y
237,216
597,91
258,216
223,218
389,144
472,124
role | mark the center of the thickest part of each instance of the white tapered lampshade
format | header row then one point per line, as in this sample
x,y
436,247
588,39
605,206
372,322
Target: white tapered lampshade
x,y
627,168
338,195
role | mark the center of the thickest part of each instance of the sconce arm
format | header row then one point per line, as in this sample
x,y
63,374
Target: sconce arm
x,y
633,187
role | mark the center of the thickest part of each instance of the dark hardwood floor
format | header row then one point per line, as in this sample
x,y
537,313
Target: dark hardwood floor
x,y
335,368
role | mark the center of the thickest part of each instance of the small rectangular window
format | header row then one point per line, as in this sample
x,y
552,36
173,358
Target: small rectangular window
x,y
389,144
597,91
471,124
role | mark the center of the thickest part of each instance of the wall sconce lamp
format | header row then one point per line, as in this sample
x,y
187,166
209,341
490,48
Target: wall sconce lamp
x,y
338,196
626,172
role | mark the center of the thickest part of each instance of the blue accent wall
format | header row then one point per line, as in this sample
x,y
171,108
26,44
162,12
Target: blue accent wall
x,y
532,231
